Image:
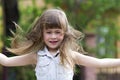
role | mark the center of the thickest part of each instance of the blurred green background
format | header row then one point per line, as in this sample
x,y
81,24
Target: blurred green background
x,y
98,19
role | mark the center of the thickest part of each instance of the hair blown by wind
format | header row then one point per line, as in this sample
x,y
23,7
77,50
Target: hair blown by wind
x,y
19,43
32,40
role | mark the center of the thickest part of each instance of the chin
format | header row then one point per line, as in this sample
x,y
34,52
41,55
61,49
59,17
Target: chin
x,y
54,47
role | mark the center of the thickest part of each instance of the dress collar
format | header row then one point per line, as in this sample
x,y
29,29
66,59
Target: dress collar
x,y
45,52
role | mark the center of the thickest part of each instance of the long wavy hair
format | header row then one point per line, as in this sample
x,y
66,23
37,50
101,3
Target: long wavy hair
x,y
32,41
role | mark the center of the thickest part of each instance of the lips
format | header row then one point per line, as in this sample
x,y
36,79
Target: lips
x,y
53,42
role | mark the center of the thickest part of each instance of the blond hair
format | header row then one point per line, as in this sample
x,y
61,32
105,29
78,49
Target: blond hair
x,y
32,41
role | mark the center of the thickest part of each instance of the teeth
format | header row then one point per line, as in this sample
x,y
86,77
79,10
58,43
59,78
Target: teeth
x,y
53,41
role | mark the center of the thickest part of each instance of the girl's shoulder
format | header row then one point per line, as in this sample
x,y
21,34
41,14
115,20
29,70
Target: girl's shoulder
x,y
75,54
41,52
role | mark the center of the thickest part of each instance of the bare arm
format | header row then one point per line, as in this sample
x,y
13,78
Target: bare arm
x,y
22,60
89,61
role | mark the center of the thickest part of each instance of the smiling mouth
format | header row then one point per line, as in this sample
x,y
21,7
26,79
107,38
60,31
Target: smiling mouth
x,y
53,42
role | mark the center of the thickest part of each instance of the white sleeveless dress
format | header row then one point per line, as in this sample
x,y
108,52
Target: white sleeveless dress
x,y
49,67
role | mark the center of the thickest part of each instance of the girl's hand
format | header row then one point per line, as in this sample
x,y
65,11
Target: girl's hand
x,y
89,61
2,59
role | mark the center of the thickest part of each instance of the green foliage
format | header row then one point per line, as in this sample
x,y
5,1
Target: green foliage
x,y
106,41
28,15
26,73
82,12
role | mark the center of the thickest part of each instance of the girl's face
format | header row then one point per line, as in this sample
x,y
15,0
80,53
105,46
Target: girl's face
x,y
53,38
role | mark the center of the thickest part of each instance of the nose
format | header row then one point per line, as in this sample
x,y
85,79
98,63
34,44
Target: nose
x,y
53,35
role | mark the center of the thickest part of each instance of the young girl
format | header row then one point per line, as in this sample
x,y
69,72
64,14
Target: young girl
x,y
52,46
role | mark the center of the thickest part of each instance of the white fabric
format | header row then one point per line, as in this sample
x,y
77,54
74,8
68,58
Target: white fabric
x,y
49,67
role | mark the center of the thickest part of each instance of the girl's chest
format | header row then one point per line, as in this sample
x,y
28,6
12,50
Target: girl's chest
x,y
51,68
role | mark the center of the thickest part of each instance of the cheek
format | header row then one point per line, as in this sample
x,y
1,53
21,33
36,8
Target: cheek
x,y
61,37
45,37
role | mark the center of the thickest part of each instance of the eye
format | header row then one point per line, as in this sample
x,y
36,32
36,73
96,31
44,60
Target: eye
x,y
58,32
48,32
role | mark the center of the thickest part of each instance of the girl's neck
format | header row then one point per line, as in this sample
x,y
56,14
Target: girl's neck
x,y
52,51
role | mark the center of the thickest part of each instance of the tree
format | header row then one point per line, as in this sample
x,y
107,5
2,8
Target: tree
x,y
10,13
